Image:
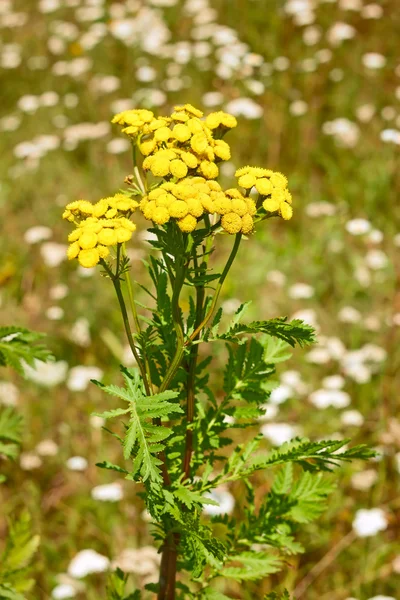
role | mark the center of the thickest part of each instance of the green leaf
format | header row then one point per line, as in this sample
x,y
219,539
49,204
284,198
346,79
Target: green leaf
x,y
312,456
275,350
277,596
211,594
19,346
107,465
10,432
110,414
292,332
191,497
20,547
142,438
253,566
7,592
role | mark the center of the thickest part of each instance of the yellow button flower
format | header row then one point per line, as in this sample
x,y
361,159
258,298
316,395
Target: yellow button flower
x,y
178,209
232,223
187,224
89,258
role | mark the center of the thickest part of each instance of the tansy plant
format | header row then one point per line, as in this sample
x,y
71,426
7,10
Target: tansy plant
x,y
180,438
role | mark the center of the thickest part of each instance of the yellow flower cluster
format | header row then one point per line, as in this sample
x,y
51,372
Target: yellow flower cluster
x,y
272,187
189,199
98,226
182,144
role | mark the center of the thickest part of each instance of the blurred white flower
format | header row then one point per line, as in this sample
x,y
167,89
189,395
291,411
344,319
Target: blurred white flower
x,y
308,315
96,422
340,32
58,292
230,306
373,60
245,107
320,209
380,597
36,234
62,591
369,522
375,236
388,113
349,314
225,500
146,73
80,332
318,356
278,433
364,480
79,377
280,394
9,393
86,562
277,277
47,448
390,136
53,254
323,398
29,461
281,63
350,4
352,418
301,290
77,463
28,103
365,112
298,108
372,11
46,374
211,99
312,35
111,492
333,382
54,313
345,132
376,259
358,226
117,146
142,561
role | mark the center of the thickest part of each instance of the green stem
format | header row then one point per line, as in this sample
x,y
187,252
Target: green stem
x,y
225,272
190,392
125,318
180,340
132,303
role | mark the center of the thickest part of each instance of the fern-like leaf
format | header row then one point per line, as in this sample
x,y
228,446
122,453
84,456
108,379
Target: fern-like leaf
x,y
143,440
19,346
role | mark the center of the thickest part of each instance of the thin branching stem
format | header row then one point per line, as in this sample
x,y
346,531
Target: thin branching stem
x,y
225,272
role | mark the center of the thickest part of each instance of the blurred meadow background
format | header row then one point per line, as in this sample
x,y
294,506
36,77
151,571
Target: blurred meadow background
x,y
315,85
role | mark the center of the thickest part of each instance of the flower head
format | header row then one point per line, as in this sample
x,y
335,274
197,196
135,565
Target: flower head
x,y
99,226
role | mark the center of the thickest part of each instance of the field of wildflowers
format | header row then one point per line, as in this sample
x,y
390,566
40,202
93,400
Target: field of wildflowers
x,y
315,88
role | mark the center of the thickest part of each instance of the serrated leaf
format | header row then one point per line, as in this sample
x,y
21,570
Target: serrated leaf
x,y
11,424
19,346
292,332
110,466
142,437
253,566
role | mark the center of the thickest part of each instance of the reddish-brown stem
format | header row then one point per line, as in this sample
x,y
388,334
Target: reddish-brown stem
x,y
168,568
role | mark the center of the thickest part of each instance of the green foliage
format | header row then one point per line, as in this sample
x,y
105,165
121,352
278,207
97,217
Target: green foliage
x,y
200,547
20,547
11,427
277,596
116,587
252,566
143,439
293,332
19,346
